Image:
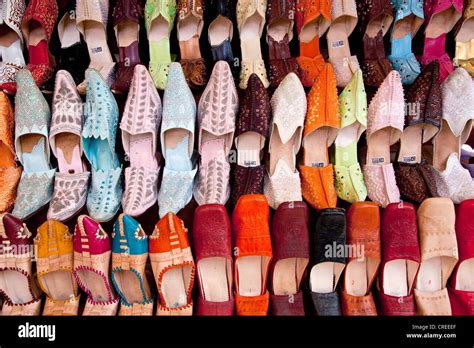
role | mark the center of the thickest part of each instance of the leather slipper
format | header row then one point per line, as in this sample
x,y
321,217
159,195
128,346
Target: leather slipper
x,y
330,235
290,245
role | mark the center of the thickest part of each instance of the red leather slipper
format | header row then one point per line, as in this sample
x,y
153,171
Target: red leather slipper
x,y
213,257
290,244
461,285
401,259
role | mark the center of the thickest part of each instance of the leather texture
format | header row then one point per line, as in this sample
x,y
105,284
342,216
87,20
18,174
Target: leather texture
x,y
375,66
416,181
326,304
330,230
212,239
287,305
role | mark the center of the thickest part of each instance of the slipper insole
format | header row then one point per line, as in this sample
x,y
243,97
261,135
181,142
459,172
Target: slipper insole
x,y
219,30
316,148
445,143
279,28
250,39
338,42
442,22
129,285
174,286
380,22
214,275
177,150
100,155
95,284
7,35
411,141
33,148
36,34
310,30
127,33
359,273
249,146
250,274
13,53
282,152
378,147
324,277
141,151
71,35
346,146
464,277
96,40
58,285
466,33
6,157
68,153
429,276
287,275
407,25
395,281
16,286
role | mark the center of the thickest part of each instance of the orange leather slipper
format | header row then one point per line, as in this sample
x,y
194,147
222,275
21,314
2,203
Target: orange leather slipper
x,y
173,266
253,249
320,130
312,21
363,237
9,171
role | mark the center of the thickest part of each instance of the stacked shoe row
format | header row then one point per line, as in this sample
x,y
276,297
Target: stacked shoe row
x,y
420,262
35,25
432,112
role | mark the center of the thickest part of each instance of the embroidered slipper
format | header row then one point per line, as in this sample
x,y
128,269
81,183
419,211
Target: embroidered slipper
x,y
312,21
159,19
415,177
408,19
127,16
54,264
10,173
461,285
330,232
173,266
251,235
384,126
37,27
401,259
189,29
349,181
439,255
440,18
18,287
12,55
177,142
213,250
282,181
92,251
452,180
250,137
363,236
250,22
280,19
464,56
344,20
72,179
375,19
129,258
91,20
290,245
221,16
140,123
216,116
98,140
320,129
32,119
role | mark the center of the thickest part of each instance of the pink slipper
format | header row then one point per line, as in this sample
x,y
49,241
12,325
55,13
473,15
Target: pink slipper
x,y
140,122
384,126
216,116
